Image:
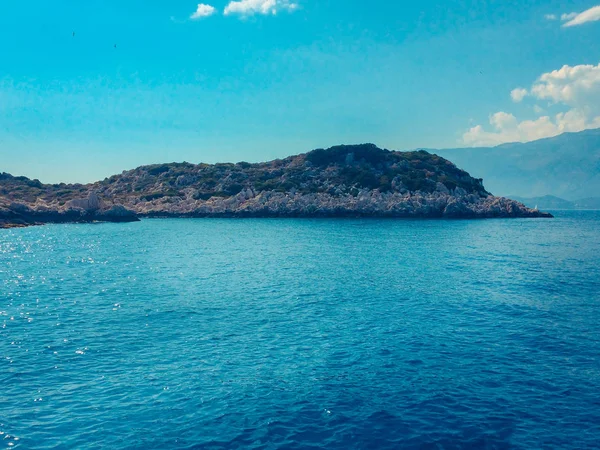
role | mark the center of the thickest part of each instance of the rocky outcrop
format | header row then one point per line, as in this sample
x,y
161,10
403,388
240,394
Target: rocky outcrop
x,y
116,213
75,211
91,203
343,181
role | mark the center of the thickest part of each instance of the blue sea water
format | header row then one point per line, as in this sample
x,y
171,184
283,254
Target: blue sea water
x,y
273,333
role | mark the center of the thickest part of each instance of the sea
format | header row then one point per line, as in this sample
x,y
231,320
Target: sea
x,y
302,333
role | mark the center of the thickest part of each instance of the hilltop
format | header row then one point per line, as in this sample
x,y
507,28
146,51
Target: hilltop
x,y
347,180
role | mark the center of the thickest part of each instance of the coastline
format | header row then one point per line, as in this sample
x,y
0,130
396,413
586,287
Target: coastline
x,y
4,225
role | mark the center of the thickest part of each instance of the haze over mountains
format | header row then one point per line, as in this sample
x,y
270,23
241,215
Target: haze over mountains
x,y
551,202
565,166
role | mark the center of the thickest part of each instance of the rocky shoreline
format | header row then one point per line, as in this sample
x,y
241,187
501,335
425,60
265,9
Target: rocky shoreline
x,y
271,205
366,204
10,219
90,210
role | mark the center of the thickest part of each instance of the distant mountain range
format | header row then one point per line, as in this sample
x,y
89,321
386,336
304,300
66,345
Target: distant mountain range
x,y
552,202
565,166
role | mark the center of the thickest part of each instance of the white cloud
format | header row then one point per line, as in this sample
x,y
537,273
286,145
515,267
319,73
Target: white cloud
x,y
550,17
571,85
575,88
251,7
565,17
589,15
202,11
538,109
506,128
518,94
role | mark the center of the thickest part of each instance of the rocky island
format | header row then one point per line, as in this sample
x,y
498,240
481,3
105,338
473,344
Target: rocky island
x,y
342,181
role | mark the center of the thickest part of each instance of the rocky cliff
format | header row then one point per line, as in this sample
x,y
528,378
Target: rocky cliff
x,y
354,181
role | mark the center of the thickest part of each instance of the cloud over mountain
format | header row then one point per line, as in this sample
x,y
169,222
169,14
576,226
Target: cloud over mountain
x,y
574,88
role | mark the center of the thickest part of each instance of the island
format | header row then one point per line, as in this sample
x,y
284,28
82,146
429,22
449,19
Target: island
x,y
342,181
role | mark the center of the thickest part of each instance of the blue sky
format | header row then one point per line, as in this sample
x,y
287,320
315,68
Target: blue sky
x,y
253,85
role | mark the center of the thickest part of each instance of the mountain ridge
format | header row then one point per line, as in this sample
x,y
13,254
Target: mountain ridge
x,y
550,202
565,166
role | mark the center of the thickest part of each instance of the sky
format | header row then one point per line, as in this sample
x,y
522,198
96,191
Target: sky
x,y
91,88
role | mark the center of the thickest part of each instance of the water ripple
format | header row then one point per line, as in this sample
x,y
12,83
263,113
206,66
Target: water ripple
x,y
202,334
